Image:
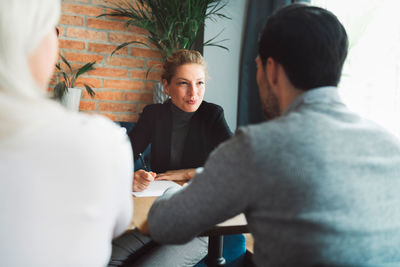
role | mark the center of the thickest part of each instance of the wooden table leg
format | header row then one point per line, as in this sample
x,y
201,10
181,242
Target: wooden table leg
x,y
215,247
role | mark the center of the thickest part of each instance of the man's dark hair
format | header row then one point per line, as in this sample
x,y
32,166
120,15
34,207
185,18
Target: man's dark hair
x,y
309,42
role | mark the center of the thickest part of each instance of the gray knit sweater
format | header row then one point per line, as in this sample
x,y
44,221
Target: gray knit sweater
x,y
318,185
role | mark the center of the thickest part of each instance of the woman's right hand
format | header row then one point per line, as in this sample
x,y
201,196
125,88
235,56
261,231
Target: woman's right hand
x,y
142,180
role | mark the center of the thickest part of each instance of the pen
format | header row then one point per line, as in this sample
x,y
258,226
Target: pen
x,y
143,162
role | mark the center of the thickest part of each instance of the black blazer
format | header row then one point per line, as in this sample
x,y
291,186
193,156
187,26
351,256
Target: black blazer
x,y
207,130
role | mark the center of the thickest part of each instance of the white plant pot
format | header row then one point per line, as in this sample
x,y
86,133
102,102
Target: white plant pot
x,y
159,96
72,98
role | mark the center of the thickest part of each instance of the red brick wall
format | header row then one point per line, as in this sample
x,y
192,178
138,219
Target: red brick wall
x,y
119,81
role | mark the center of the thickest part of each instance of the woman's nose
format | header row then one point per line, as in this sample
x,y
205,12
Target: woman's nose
x,y
192,89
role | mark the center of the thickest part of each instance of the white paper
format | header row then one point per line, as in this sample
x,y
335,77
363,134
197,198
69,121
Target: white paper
x,y
156,188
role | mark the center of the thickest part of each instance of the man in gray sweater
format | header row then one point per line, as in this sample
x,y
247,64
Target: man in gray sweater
x,y
319,185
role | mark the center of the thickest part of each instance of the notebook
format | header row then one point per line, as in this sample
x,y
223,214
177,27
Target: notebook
x,y
155,189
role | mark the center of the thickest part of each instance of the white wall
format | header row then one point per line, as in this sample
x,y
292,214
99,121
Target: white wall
x,y
223,66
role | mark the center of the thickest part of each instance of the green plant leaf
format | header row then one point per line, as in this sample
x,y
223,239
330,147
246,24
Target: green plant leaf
x,y
126,44
85,68
66,79
59,90
211,43
89,90
66,62
171,24
150,69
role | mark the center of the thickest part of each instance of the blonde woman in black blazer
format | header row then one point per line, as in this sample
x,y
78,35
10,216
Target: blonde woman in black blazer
x,y
184,130
182,133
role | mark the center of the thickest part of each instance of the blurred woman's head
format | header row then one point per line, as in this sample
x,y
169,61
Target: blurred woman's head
x,y
28,51
28,45
183,77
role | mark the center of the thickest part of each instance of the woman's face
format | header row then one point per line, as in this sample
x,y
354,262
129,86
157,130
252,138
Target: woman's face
x,y
187,87
43,58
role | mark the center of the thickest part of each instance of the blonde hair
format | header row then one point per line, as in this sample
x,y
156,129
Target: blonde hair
x,y
180,58
23,24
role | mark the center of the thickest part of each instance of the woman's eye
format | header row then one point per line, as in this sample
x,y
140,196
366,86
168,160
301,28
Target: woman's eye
x,y
201,83
182,83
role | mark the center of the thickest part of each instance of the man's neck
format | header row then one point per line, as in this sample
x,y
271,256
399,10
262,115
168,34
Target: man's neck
x,y
287,96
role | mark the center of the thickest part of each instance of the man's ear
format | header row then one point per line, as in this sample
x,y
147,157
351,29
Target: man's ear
x,y
165,84
272,71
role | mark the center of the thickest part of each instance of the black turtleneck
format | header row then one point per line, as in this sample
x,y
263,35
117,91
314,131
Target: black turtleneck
x,y
180,128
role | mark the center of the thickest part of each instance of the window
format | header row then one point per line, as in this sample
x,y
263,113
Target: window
x,y
370,84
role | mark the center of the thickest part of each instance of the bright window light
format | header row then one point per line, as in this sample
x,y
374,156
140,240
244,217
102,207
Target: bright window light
x,y
370,84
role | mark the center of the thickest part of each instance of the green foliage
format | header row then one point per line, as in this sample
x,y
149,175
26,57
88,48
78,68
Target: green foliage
x,y
172,24
70,77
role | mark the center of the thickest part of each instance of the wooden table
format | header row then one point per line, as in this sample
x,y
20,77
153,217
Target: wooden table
x,y
235,225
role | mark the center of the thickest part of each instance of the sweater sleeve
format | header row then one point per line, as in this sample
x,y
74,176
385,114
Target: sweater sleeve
x,y
213,196
122,173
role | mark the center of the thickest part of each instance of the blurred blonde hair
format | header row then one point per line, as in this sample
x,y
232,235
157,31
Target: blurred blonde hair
x,y
23,24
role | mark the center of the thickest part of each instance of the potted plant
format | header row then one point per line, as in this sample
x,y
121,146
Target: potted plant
x,y
171,24
65,91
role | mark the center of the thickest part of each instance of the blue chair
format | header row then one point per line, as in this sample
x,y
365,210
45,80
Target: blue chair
x,y
234,251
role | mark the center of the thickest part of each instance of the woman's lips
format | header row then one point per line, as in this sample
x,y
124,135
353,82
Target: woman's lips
x,y
191,102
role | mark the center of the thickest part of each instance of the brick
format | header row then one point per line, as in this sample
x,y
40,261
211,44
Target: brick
x,y
86,96
137,30
123,84
149,86
99,2
86,105
105,24
111,95
109,72
137,74
142,97
108,2
112,117
107,49
143,52
117,18
154,75
116,107
141,107
71,20
126,62
92,82
64,66
155,64
69,44
151,45
106,95
82,1
82,57
61,31
86,34
120,38
81,9
52,82
132,118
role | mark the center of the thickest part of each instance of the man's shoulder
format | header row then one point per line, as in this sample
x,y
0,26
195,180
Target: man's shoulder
x,y
264,130
90,132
